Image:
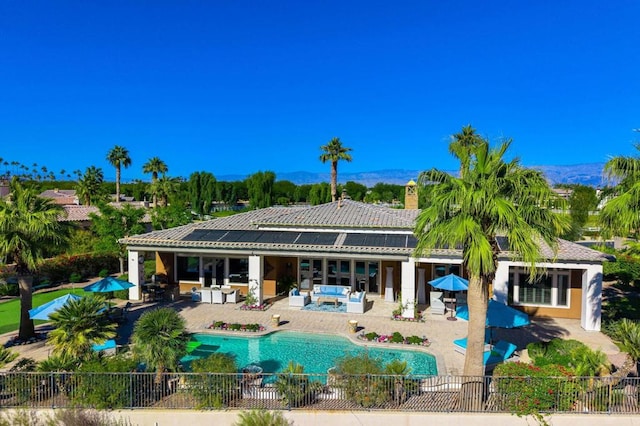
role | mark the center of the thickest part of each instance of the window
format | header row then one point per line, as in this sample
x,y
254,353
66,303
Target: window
x,y
239,270
188,268
440,270
551,289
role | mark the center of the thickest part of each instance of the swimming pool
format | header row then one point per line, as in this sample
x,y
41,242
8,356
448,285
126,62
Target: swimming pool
x,y
316,352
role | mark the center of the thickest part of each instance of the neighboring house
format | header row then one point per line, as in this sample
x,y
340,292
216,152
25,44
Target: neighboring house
x,y
365,246
63,197
80,215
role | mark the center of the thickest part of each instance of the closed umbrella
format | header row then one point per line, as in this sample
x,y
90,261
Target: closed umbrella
x,y
450,282
42,312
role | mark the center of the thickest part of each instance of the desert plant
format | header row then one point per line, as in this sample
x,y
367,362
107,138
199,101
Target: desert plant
x,y
262,418
6,356
78,325
401,384
160,340
626,333
361,379
218,387
295,387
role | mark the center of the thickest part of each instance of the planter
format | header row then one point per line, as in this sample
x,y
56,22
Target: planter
x,y
353,326
275,320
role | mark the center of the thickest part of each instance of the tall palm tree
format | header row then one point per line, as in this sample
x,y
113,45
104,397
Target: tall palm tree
x,y
29,227
490,199
160,340
163,188
154,166
621,215
334,152
118,157
78,325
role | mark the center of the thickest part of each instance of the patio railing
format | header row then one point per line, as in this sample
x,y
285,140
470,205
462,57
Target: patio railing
x,y
317,392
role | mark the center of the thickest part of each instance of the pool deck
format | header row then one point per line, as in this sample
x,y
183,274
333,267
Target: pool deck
x,y
440,331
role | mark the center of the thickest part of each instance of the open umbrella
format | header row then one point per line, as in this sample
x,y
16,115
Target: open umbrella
x,y
499,315
42,312
450,282
108,284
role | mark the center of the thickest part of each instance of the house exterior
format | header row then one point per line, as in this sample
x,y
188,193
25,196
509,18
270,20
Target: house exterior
x,y
365,246
63,197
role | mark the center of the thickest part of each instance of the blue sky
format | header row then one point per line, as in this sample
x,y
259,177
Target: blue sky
x,y
234,87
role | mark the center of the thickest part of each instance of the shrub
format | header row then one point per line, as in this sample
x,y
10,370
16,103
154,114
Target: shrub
x,y
218,388
526,389
9,289
295,387
75,278
371,336
570,354
121,294
60,268
262,418
397,337
106,391
360,378
6,356
625,268
103,273
626,333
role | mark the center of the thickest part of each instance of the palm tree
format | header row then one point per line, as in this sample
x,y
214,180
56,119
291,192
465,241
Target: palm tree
x,y
163,188
78,325
621,215
89,186
160,340
29,227
118,157
155,166
491,198
334,152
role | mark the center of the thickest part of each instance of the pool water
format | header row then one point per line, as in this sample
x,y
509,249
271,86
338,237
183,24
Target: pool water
x,y
316,352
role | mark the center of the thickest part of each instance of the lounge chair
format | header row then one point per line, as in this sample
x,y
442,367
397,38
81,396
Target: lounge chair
x,y
299,298
232,297
500,352
460,345
206,295
436,302
108,347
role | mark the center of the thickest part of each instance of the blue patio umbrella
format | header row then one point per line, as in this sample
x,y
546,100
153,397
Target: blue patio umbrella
x,y
498,315
450,282
42,312
108,284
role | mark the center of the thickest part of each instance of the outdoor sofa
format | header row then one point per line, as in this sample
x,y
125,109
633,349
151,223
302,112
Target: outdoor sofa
x,y
340,292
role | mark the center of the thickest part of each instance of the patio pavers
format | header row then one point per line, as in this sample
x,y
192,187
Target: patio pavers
x,y
377,318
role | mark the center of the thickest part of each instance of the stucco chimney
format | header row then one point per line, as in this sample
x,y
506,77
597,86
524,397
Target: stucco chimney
x,y
411,195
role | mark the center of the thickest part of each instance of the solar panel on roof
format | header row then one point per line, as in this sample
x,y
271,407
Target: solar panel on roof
x,y
396,241
204,235
317,238
357,240
277,237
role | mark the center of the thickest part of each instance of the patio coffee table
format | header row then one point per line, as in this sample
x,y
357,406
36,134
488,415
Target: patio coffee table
x,y
327,299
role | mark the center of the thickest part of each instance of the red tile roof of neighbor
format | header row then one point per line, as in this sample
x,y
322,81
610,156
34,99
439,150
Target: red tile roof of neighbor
x,y
81,213
61,196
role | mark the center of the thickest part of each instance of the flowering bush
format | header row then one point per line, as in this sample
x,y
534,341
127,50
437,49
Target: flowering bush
x,y
396,337
221,325
525,389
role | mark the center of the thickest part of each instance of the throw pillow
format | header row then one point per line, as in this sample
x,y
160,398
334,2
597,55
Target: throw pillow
x,y
345,291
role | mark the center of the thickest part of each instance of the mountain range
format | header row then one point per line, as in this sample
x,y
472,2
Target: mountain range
x,y
585,174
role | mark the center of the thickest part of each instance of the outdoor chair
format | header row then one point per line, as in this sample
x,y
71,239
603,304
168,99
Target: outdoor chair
x,y
299,298
206,295
217,296
108,347
500,352
357,302
232,297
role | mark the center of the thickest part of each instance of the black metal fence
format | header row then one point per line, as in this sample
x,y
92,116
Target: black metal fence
x,y
318,392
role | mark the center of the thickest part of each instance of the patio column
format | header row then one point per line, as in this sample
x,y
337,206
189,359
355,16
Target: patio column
x,y
136,273
408,287
501,283
255,278
591,298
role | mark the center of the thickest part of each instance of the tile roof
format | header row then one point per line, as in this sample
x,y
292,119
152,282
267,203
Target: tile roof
x,y
75,213
351,218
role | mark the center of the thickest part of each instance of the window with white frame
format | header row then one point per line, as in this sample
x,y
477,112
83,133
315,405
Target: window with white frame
x,y
550,289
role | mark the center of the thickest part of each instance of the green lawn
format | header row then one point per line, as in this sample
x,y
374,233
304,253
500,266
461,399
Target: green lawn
x,y
10,310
